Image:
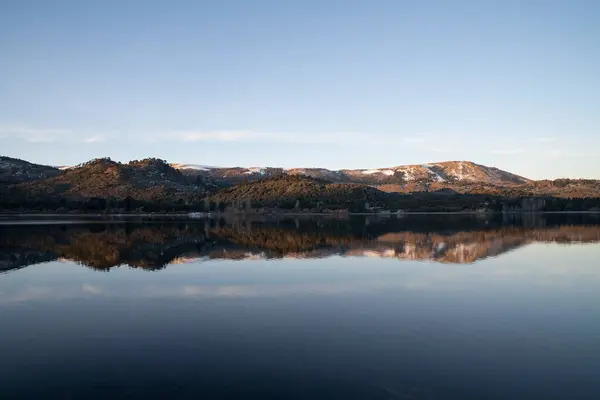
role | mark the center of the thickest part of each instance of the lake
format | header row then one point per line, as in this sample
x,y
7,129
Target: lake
x,y
409,307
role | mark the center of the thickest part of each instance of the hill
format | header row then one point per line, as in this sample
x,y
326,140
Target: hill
x,y
14,170
289,191
148,180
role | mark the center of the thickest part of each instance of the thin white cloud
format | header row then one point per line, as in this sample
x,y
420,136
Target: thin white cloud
x,y
514,151
94,139
48,135
213,136
547,139
247,136
250,136
415,140
556,153
51,135
33,135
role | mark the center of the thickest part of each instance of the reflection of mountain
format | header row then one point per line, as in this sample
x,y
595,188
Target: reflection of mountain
x,y
153,246
100,246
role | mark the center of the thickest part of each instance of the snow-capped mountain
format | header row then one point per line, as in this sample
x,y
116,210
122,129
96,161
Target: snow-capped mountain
x,y
419,177
442,172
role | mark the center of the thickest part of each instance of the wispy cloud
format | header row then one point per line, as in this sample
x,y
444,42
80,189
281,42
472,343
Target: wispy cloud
x,y
94,139
49,135
34,135
415,139
52,135
507,152
213,136
440,149
247,136
546,139
556,153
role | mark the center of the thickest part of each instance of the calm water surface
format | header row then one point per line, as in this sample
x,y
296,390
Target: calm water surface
x,y
412,308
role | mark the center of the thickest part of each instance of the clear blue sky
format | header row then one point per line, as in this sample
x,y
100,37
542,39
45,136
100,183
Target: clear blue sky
x,y
336,84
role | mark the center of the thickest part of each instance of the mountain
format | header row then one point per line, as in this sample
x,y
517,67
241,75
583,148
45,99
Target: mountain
x,y
14,170
149,179
450,172
153,185
450,177
406,178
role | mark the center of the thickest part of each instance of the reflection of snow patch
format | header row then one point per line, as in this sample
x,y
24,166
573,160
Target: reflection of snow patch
x,y
184,260
387,253
254,256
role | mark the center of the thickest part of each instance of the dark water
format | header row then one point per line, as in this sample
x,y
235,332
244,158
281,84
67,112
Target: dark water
x,y
504,307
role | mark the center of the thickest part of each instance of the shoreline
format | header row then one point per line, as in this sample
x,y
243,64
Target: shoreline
x,y
193,215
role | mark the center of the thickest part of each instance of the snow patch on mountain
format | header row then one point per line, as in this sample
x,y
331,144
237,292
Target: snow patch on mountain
x,y
460,171
255,170
437,176
192,166
387,172
409,172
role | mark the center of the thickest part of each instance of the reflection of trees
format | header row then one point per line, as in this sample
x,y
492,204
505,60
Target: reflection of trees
x,y
153,246
105,246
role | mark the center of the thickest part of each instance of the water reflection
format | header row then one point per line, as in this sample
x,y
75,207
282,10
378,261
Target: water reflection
x,y
315,325
152,246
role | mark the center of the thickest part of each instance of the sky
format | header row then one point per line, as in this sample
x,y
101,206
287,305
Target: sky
x,y
304,83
